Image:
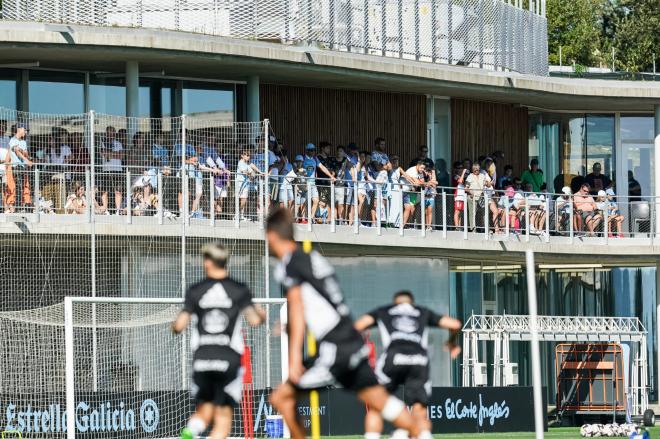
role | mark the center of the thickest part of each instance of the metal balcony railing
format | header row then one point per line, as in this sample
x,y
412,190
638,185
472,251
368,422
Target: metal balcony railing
x,y
489,34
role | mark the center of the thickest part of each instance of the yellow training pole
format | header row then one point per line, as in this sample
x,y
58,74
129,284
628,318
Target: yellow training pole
x,y
313,394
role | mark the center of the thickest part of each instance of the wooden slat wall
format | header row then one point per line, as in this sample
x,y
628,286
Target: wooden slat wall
x,y
300,115
480,128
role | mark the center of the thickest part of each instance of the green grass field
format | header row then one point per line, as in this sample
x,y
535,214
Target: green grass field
x,y
553,433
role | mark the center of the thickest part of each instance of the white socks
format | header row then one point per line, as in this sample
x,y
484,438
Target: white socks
x,y
196,425
399,433
425,435
371,435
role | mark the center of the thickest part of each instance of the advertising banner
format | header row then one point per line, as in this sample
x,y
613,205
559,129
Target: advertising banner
x,y
160,414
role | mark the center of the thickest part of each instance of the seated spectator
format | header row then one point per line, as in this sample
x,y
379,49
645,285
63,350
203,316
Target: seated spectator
x,y
533,175
605,203
76,203
586,210
515,202
564,205
143,203
597,180
537,212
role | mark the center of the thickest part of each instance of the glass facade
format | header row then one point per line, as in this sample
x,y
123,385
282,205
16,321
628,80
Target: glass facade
x,y
499,289
56,92
637,152
62,92
8,91
568,145
204,100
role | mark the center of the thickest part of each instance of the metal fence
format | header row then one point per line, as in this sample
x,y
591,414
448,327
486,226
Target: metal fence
x,y
491,34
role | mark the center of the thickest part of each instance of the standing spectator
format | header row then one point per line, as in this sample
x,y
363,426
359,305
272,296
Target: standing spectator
x,y
498,160
507,178
597,180
422,155
5,162
415,176
476,183
634,188
342,174
586,210
160,154
459,193
287,178
352,177
311,164
20,160
112,154
193,175
246,171
215,164
59,155
430,185
324,171
379,155
533,176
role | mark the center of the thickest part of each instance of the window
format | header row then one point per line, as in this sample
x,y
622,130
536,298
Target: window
x,y
56,92
107,96
8,89
207,100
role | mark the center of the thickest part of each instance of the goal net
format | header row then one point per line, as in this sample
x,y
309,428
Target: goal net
x,y
115,364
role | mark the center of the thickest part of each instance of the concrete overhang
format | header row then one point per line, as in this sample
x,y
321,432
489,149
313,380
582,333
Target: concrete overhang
x,y
345,242
180,54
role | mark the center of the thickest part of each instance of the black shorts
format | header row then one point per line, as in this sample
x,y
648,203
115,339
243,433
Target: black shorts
x,y
407,369
111,182
222,388
346,364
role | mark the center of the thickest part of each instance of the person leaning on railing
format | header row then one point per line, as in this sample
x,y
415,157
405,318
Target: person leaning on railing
x,y
76,203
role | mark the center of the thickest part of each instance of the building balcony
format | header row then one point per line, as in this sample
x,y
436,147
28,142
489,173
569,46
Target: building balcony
x,y
493,35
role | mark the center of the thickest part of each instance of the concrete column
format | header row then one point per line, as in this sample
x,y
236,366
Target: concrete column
x,y
252,92
656,181
132,89
23,103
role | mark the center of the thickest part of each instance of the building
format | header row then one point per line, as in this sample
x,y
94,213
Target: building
x,y
463,80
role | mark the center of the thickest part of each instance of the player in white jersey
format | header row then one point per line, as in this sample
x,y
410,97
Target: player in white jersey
x,y
215,306
315,299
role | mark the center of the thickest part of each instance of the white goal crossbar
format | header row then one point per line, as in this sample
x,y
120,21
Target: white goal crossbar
x,y
94,302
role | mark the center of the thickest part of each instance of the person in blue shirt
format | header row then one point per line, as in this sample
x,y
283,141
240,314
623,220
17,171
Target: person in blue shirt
x,y
310,164
191,161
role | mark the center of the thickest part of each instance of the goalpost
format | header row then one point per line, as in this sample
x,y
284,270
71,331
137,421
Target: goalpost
x,y
137,380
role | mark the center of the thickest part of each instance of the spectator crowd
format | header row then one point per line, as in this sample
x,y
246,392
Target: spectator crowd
x,y
358,185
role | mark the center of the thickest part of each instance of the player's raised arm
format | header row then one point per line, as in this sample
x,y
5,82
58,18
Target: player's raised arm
x,y
364,322
454,326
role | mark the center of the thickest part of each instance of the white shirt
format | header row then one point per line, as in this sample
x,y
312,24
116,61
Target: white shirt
x,y
59,159
113,165
4,152
412,171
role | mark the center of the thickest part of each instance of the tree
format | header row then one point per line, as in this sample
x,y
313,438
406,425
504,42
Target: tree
x,y
632,28
574,25
588,30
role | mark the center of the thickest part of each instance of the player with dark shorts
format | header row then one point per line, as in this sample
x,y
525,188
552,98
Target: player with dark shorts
x,y
403,328
215,306
315,299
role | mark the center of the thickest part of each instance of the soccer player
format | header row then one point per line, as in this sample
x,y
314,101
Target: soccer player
x,y
403,329
215,306
315,299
